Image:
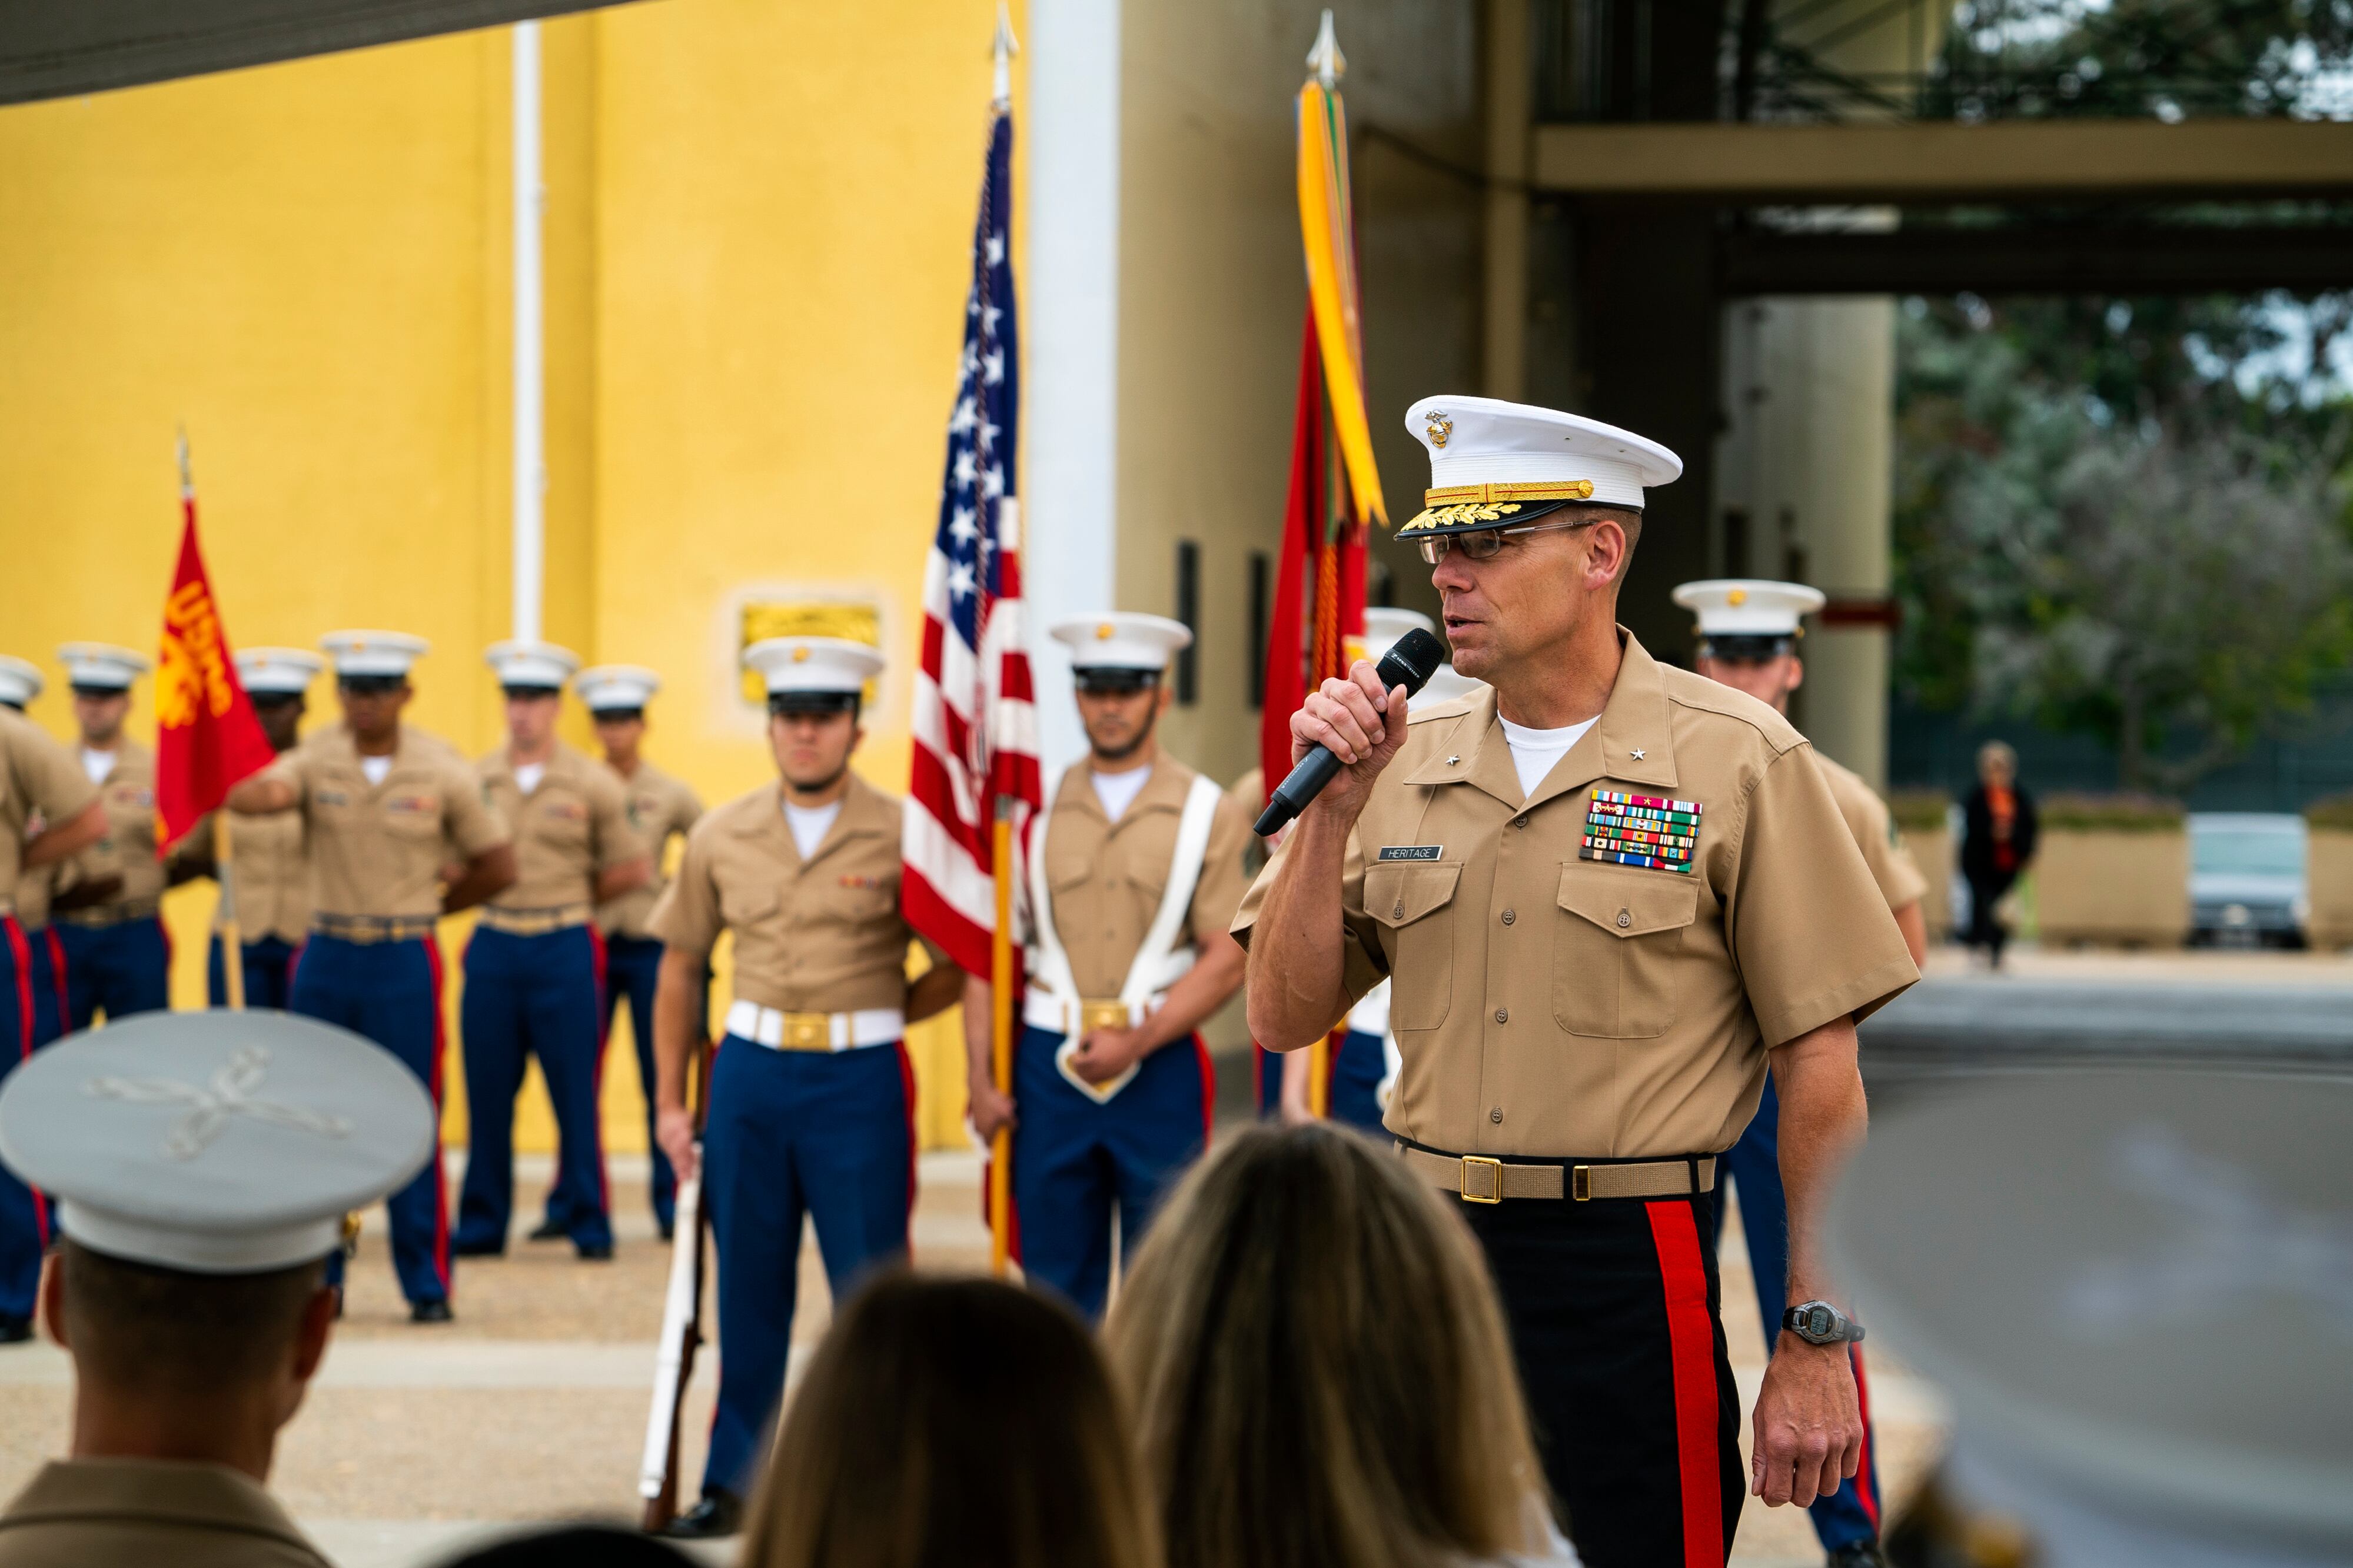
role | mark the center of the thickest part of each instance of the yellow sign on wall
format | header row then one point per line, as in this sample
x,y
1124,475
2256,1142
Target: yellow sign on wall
x,y
807,618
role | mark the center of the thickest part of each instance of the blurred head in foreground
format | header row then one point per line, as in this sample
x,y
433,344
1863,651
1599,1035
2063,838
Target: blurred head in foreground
x,y
953,1423
1319,1368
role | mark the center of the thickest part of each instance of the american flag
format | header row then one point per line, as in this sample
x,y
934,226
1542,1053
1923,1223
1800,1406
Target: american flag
x,y
976,729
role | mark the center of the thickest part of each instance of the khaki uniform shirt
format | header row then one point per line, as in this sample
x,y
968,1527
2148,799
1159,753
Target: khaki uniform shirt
x,y
574,825
659,805
1106,877
1867,817
1554,1006
378,850
128,848
270,873
144,1513
820,935
39,781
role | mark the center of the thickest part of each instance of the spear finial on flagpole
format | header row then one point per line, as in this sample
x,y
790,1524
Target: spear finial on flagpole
x,y
1325,58
1005,46
188,481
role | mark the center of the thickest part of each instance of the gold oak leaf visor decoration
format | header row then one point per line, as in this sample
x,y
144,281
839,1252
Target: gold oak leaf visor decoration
x,y
1459,509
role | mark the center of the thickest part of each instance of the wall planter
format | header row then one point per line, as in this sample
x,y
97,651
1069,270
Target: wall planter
x,y
2113,870
2329,872
1924,822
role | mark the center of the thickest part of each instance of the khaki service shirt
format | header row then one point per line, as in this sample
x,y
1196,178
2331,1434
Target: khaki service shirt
x,y
574,825
40,781
128,848
1106,877
270,873
824,935
141,1513
378,850
659,806
1552,1007
1867,817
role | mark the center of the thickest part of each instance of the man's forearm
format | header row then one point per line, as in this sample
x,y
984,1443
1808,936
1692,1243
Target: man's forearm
x,y
1297,965
980,1028
677,993
626,877
1823,1119
259,798
939,988
486,874
69,837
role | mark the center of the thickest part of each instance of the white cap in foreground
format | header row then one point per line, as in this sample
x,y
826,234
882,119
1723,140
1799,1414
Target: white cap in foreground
x,y
1121,639
102,667
373,654
531,666
1498,465
616,687
215,1143
276,671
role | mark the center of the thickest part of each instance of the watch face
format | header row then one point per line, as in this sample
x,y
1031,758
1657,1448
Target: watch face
x,y
1818,1321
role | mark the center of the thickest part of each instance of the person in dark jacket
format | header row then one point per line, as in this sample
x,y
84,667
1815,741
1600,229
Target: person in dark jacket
x,y
1996,842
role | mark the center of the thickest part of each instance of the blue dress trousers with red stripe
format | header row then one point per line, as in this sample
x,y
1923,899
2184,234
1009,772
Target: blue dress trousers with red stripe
x,y
122,968
391,993
829,1134
31,1014
269,967
533,996
1074,1158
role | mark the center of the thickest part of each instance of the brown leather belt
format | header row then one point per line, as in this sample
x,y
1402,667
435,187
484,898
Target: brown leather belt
x,y
536,922
1480,1179
373,928
98,917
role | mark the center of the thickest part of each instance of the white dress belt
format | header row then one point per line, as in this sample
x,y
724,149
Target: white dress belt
x,y
1041,1010
784,1031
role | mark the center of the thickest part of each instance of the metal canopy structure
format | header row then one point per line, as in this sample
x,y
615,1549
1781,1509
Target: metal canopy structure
x,y
2037,258
53,49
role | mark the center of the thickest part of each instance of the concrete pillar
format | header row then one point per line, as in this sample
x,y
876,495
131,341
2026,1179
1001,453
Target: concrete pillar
x,y
1506,92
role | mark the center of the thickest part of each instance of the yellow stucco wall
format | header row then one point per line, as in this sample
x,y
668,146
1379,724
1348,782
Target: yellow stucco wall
x,y
756,225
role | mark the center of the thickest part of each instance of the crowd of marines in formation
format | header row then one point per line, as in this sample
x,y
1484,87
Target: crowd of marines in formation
x,y
1561,948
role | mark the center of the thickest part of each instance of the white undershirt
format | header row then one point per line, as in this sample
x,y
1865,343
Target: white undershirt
x,y
1534,752
1118,791
377,769
810,823
528,775
97,763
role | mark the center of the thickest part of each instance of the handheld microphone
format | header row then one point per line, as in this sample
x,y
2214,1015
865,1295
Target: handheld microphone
x,y
1410,662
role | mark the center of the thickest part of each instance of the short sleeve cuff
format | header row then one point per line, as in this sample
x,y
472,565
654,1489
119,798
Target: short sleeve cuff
x,y
1858,999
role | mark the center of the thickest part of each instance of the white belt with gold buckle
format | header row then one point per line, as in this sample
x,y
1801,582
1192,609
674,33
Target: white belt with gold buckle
x,y
781,1031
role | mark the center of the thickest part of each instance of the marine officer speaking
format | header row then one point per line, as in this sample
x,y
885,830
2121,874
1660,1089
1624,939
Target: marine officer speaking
x,y
1133,870
660,808
1748,634
269,887
1613,896
118,955
381,803
812,1099
535,963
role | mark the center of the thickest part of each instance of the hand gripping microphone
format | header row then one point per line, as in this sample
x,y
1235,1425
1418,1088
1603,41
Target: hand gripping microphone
x,y
1410,662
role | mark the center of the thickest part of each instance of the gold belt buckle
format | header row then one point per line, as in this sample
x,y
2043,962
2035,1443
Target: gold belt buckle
x,y
1111,1014
1495,1165
1580,1183
809,1032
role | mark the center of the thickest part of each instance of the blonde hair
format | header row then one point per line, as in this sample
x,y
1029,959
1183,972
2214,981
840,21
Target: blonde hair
x,y
1999,751
954,1424
1319,1368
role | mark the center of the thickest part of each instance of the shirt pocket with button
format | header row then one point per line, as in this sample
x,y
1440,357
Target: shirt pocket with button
x,y
1414,902
1618,943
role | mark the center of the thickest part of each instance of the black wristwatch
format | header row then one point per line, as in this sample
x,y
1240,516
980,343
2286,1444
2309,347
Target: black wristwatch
x,y
1820,1323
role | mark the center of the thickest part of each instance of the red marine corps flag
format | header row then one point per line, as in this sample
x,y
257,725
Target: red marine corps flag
x,y
206,737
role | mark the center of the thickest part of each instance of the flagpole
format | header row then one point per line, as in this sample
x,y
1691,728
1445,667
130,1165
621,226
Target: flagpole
x,y
1000,975
224,840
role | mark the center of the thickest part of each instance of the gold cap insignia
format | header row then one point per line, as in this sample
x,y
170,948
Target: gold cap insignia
x,y
1736,598
800,656
1103,632
1439,427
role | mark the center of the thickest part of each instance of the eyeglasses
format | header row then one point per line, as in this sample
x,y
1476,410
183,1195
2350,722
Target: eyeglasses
x,y
1487,542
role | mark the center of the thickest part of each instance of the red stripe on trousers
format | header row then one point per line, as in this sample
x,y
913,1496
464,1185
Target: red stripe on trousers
x,y
58,968
1209,1088
440,1186
1861,1482
20,955
907,1094
1691,1341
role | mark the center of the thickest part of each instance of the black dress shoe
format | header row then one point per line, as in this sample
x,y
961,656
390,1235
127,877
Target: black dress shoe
x,y
718,1514
14,1330
596,1252
429,1312
668,1234
1859,1554
477,1249
550,1230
